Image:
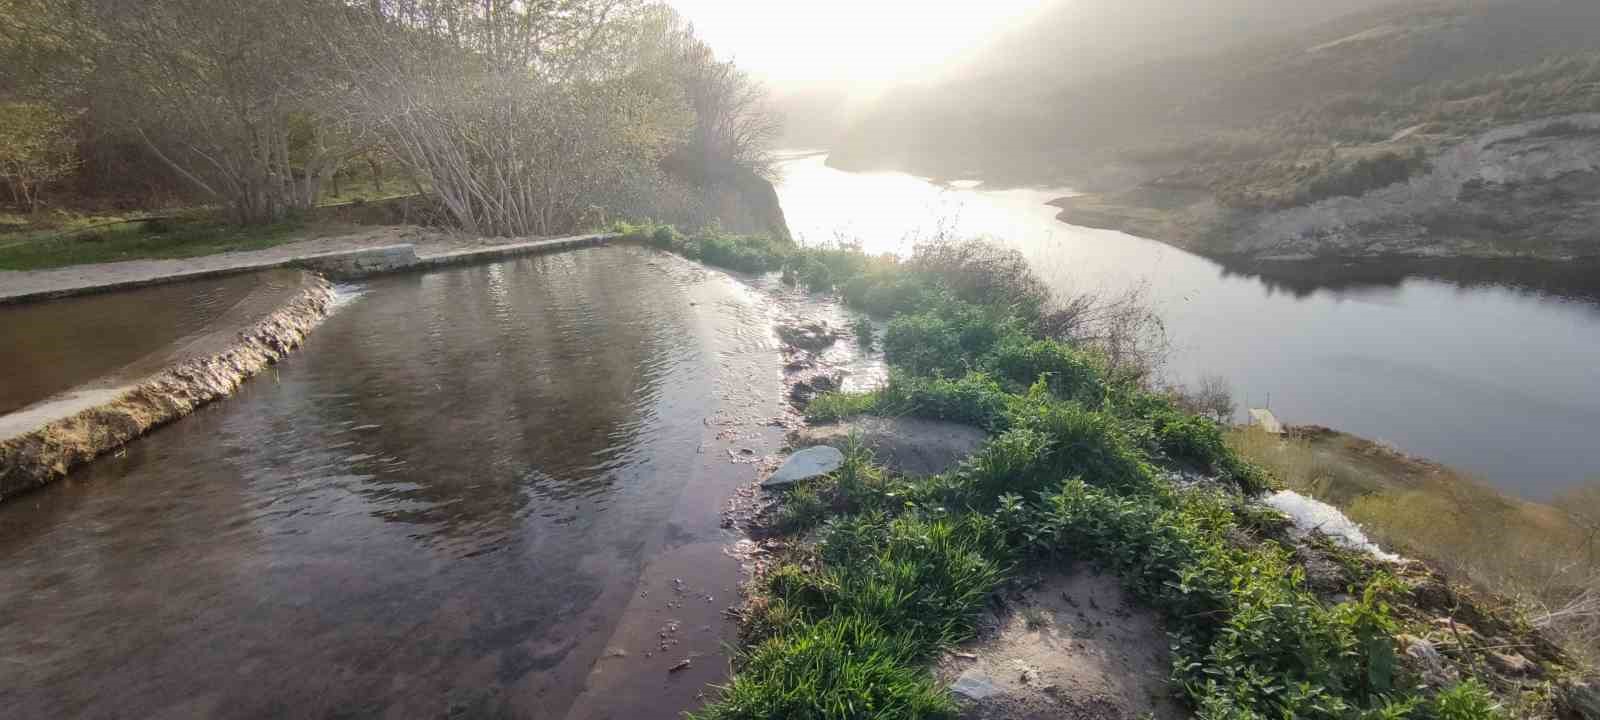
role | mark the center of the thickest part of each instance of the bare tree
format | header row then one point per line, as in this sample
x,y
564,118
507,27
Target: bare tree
x,y
237,98
519,116
35,148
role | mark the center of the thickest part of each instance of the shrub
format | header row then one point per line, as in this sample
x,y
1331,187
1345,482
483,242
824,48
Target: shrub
x,y
746,253
948,340
974,399
1069,373
1083,444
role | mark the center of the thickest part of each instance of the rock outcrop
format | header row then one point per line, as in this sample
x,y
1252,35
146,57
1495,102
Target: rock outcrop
x,y
1530,190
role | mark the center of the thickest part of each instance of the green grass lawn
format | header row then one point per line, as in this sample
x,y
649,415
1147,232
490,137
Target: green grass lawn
x,y
59,247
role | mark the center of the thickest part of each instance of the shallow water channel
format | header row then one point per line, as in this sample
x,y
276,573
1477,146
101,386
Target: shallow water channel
x,y
493,491
49,347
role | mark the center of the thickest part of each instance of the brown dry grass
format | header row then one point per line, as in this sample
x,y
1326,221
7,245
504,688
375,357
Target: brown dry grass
x,y
1545,555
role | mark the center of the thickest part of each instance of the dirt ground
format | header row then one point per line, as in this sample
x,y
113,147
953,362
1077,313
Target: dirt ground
x,y
1068,646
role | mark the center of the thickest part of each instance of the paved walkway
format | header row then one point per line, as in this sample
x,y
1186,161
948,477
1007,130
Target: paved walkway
x,y
432,248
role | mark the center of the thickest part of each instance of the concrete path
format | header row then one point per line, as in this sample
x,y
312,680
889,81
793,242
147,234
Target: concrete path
x,y
385,249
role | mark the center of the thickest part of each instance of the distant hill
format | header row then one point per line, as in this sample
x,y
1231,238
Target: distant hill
x,y
1286,109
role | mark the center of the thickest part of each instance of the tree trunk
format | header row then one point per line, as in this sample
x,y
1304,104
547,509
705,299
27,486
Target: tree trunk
x,y
377,174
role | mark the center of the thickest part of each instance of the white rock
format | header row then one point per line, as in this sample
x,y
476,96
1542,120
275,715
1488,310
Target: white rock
x,y
805,465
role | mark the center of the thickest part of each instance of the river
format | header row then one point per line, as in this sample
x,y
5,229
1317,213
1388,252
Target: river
x,y
1491,368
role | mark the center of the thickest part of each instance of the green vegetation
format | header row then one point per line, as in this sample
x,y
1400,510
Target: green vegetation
x,y
712,246
897,569
1545,555
528,119
98,239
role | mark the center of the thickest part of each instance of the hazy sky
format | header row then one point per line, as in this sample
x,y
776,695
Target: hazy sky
x,y
868,41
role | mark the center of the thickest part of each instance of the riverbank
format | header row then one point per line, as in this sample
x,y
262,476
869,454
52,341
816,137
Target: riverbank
x,y
875,575
1541,555
1526,191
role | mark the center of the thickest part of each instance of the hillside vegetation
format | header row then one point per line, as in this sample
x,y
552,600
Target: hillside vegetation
x,y
873,575
512,119
1299,116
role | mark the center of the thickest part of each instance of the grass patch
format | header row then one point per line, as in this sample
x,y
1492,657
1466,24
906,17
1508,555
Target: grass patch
x,y
712,246
78,241
1548,556
889,571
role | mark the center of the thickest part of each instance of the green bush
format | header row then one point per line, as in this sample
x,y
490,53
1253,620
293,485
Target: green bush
x,y
948,339
747,253
1082,443
1070,374
973,399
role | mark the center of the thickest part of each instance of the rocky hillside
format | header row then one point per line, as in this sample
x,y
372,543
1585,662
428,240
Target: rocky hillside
x,y
1277,136
1529,190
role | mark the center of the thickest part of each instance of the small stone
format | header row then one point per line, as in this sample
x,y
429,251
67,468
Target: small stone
x,y
1434,671
811,336
680,665
804,465
1512,663
974,685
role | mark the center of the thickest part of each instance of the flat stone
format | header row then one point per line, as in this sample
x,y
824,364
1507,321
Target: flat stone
x,y
974,685
805,465
909,446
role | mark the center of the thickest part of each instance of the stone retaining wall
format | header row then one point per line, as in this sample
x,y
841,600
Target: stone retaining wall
x,y
48,453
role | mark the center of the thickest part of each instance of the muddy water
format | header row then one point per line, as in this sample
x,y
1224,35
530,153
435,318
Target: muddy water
x,y
485,492
50,347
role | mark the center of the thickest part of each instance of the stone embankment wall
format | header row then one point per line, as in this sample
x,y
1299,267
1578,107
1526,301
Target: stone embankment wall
x,y
46,454
87,428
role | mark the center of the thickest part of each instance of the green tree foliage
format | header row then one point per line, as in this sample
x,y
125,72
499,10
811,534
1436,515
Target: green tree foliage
x,y
36,147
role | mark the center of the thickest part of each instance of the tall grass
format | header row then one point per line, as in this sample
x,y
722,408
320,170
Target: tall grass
x,y
1543,555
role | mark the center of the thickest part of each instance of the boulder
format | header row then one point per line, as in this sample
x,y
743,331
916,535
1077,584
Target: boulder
x,y
805,465
909,446
812,336
1512,663
1427,660
806,389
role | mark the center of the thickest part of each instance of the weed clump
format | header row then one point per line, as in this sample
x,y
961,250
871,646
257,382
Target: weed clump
x,y
895,569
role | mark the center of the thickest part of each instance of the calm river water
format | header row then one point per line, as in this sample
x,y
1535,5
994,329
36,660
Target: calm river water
x,y
1491,368
492,491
